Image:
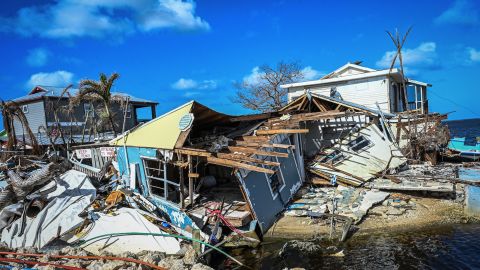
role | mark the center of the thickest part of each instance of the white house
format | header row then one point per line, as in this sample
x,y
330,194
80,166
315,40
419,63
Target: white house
x,y
367,87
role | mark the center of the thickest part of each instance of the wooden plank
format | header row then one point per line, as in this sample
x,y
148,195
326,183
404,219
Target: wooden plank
x,y
245,158
256,138
256,144
236,164
193,175
256,151
193,152
251,117
281,131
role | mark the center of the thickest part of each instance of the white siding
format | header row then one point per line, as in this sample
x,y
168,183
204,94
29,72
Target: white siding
x,y
363,91
35,117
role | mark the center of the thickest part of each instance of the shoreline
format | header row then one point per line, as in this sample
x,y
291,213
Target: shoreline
x,y
428,213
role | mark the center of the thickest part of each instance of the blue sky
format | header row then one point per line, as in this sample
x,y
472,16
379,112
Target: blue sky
x,y
172,51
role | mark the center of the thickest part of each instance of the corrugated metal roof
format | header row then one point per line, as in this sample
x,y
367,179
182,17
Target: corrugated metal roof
x,y
51,91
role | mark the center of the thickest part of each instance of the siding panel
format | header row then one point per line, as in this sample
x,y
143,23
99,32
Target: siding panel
x,y
35,117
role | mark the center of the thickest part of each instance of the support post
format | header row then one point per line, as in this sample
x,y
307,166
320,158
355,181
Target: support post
x,y
182,185
190,180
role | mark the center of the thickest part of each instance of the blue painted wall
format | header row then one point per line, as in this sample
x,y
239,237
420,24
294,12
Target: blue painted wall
x,y
257,188
178,217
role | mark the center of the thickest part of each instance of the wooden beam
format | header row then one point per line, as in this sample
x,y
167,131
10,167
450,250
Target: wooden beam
x,y
245,158
256,151
256,138
256,144
251,117
281,131
236,164
193,152
193,175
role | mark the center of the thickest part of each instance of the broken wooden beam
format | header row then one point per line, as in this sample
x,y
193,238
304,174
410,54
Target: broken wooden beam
x,y
256,144
281,131
256,138
256,151
251,117
237,164
238,157
193,152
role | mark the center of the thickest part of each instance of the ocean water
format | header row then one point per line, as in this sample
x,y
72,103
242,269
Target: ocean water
x,y
454,246
464,128
443,247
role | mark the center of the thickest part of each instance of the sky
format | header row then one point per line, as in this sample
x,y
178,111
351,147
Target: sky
x,y
174,51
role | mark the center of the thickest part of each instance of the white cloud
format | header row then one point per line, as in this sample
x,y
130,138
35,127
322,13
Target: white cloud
x,y
462,12
423,56
253,77
183,84
474,55
103,18
58,78
309,74
37,57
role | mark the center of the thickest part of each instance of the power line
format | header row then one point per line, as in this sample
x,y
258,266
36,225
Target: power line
x,y
454,103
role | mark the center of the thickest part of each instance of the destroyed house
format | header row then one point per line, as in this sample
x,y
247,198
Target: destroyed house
x,y
353,148
46,110
253,164
367,87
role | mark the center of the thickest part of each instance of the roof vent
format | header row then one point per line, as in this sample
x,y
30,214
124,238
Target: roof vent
x,y
186,121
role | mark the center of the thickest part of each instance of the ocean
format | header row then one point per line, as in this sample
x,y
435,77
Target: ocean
x,y
444,247
464,128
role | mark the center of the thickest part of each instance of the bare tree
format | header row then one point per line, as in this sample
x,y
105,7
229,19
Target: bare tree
x,y
264,92
399,42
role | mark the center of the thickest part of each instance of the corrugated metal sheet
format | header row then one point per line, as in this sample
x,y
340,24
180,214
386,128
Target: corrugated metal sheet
x,y
35,117
161,132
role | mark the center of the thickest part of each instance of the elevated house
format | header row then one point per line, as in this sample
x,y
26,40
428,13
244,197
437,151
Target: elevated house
x,y
51,120
367,87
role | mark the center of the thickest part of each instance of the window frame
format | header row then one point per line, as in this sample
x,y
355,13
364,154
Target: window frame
x,y
281,179
164,181
361,149
340,153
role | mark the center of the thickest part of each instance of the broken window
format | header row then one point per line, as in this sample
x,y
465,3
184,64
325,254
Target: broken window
x,y
275,181
156,172
359,144
334,157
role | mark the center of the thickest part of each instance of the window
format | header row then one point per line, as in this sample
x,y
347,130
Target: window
x,y
159,185
25,109
88,109
333,157
414,96
359,144
275,181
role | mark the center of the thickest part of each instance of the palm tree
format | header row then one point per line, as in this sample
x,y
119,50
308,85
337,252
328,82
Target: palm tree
x,y
99,91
